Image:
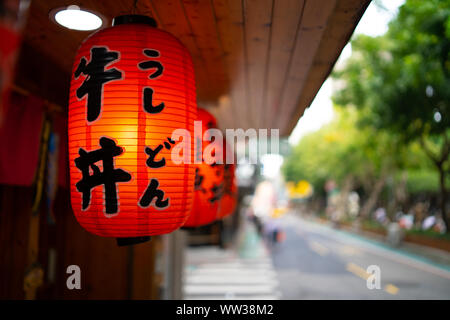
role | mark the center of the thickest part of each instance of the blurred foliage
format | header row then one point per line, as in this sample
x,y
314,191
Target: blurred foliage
x,y
342,148
373,225
338,149
393,109
401,79
420,181
400,82
429,233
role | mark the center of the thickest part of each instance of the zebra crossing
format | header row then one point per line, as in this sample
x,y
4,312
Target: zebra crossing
x,y
212,273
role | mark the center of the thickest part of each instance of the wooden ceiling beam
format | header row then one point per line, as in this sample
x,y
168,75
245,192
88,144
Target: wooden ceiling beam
x,y
267,57
200,15
173,20
257,34
314,21
230,20
285,25
338,32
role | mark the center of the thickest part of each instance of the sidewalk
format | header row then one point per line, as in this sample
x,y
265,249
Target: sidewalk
x,y
439,257
244,272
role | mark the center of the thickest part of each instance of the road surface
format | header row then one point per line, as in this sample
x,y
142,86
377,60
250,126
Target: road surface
x,y
314,262
318,262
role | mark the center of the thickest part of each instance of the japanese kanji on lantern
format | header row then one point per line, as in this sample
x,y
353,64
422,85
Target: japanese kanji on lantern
x,y
132,86
229,198
208,177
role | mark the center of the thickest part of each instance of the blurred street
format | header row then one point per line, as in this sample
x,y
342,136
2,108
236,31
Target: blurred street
x,y
318,262
245,273
313,262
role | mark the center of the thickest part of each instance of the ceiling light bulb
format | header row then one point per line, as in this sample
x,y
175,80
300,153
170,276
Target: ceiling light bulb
x,y
75,18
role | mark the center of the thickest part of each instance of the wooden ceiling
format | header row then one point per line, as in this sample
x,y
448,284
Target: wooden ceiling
x,y
258,63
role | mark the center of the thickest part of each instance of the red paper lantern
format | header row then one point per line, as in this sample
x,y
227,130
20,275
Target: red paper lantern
x,y
229,199
132,86
208,181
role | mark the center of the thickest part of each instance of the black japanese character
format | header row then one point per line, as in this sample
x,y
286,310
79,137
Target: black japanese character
x,y
147,91
152,189
97,76
148,102
199,181
217,192
167,144
108,177
151,193
153,153
151,159
152,63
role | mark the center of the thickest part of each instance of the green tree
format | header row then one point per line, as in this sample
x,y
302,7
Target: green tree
x,y
401,81
348,154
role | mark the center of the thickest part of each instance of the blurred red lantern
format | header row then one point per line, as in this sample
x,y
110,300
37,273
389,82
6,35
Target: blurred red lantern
x,y
132,86
12,21
229,199
208,179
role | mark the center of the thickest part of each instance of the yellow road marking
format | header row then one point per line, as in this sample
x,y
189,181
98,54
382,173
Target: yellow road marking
x,y
363,274
318,248
348,251
390,288
357,270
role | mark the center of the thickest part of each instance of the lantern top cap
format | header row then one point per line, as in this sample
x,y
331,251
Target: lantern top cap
x,y
134,19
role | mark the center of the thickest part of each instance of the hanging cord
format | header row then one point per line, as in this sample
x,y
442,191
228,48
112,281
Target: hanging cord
x,y
134,6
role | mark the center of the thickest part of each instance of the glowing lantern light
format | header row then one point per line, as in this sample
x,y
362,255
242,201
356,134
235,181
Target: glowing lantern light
x,y
229,199
132,86
208,180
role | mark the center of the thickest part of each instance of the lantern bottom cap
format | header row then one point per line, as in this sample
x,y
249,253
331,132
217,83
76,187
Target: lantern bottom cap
x,y
131,241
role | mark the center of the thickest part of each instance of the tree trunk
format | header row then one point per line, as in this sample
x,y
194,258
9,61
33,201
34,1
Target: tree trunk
x,y
373,198
343,198
443,203
400,197
439,161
